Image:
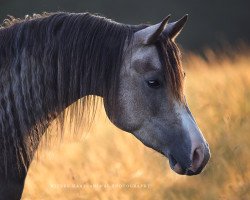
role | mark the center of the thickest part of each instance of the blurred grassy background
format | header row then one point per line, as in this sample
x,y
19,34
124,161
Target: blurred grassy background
x,y
106,163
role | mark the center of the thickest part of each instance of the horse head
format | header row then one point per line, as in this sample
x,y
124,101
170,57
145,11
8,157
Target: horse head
x,y
150,101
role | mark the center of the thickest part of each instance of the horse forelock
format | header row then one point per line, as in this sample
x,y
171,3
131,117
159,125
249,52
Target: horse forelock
x,y
170,57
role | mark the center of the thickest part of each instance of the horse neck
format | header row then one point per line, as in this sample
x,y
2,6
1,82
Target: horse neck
x,y
46,65
50,64
45,74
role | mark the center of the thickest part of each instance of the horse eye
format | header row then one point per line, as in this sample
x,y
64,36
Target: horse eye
x,y
154,83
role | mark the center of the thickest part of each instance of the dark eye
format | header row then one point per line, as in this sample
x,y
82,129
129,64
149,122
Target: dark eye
x,y
154,83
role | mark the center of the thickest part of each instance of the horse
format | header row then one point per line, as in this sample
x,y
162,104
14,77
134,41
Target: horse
x,y
49,61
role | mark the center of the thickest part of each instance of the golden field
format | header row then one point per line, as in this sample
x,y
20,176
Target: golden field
x,y
106,163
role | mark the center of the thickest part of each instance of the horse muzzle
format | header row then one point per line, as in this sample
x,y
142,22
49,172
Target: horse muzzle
x,y
198,160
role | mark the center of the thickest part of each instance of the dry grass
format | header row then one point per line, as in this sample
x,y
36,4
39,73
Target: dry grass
x,y
110,164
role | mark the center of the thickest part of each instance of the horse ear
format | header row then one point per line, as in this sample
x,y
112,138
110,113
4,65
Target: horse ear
x,y
150,34
173,29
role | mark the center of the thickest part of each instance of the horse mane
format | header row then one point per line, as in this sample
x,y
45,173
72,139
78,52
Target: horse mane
x,y
76,52
70,50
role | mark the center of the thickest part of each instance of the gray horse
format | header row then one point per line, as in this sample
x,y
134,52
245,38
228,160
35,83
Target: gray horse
x,y
49,61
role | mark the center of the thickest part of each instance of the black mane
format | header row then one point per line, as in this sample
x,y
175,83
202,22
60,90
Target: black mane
x,y
52,58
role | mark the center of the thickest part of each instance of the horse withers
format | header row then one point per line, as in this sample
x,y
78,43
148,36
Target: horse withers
x,y
49,61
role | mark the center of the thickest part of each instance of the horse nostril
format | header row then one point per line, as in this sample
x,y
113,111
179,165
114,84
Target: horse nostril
x,y
196,156
197,159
